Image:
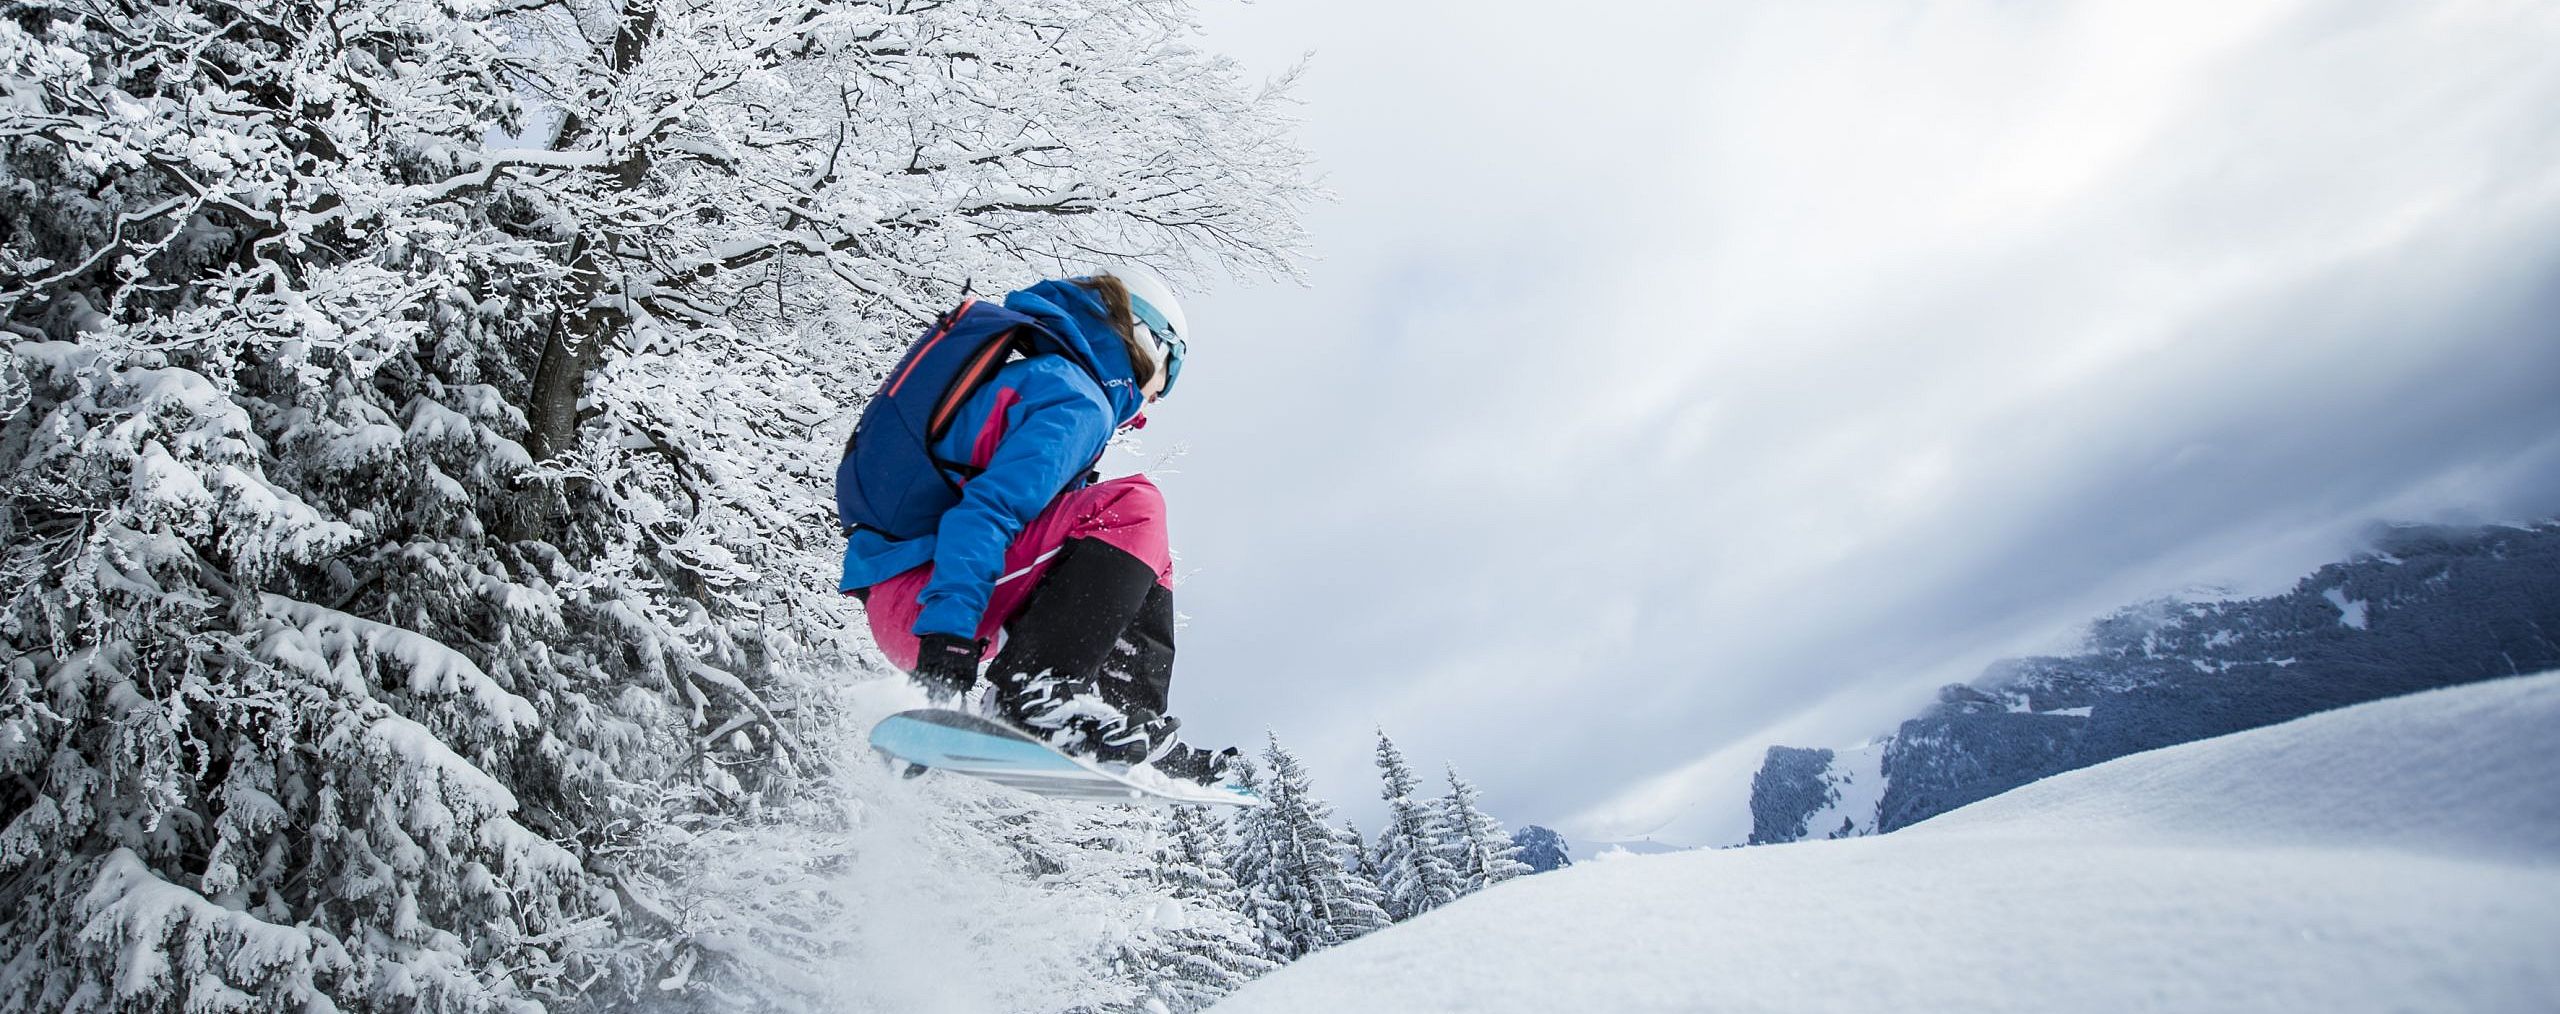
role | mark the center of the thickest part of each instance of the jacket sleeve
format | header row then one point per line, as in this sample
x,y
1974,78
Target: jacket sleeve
x,y
1063,428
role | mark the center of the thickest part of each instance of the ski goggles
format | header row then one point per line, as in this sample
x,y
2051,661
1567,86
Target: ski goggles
x,y
1166,339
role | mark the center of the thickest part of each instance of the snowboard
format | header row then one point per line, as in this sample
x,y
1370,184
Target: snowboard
x,y
941,739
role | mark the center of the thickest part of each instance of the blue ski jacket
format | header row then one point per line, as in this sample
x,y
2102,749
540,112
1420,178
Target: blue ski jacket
x,y
1036,428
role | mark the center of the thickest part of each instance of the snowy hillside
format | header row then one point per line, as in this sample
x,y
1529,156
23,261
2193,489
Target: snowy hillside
x,y
2398,855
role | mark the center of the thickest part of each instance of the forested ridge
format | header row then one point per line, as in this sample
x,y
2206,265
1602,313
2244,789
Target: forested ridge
x,y
2426,606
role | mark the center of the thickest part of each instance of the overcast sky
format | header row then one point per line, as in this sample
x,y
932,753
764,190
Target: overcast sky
x,y
1684,378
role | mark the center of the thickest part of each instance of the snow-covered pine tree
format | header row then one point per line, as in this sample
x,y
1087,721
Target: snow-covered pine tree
x,y
1200,946
1301,884
1366,909
412,443
295,715
1364,860
1249,865
1413,873
1477,847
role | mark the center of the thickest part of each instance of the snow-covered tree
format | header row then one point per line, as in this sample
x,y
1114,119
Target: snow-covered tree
x,y
1364,860
1476,846
1412,872
298,712
412,441
1200,945
1299,874
1364,908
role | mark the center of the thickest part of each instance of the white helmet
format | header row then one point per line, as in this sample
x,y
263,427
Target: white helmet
x,y
1159,313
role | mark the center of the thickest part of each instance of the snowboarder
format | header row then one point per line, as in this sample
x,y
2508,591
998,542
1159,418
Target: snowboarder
x,y
1063,578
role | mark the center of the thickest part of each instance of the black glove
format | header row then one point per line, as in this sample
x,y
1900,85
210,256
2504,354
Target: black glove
x,y
947,665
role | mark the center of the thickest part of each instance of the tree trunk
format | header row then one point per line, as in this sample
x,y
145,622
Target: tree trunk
x,y
573,346
580,324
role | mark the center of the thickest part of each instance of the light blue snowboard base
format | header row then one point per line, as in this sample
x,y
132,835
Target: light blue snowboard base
x,y
963,743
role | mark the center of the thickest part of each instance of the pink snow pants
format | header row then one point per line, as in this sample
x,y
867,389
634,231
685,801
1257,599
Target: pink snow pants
x,y
1127,512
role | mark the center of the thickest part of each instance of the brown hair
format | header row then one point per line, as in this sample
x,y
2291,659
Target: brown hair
x,y
1115,305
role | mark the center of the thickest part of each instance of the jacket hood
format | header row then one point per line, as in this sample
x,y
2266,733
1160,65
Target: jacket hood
x,y
1074,316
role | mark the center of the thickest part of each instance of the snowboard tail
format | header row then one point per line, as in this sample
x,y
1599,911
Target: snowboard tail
x,y
963,743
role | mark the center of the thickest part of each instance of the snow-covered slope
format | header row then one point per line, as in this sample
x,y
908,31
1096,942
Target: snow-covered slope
x,y
2402,855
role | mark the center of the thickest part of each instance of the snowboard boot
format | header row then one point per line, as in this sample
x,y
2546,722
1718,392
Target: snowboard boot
x,y
1049,676
1218,770
1129,738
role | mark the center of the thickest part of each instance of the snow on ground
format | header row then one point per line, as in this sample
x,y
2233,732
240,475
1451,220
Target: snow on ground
x,y
2402,855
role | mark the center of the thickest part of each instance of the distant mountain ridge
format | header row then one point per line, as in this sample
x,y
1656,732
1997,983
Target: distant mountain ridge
x,y
1542,849
2429,606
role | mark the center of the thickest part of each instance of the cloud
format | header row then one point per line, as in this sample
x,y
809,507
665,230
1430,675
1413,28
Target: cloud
x,y
1692,376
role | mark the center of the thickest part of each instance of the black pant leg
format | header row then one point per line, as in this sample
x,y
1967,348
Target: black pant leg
x,y
1139,675
1092,592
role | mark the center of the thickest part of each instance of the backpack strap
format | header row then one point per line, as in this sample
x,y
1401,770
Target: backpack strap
x,y
972,376
980,368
